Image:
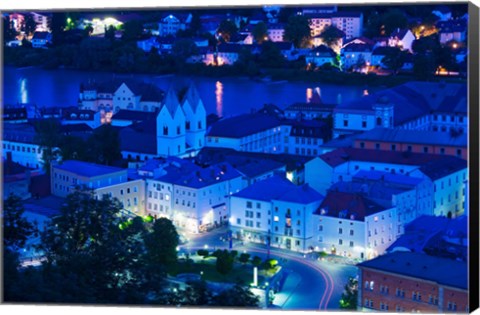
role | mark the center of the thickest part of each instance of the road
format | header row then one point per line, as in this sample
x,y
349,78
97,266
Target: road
x,y
310,285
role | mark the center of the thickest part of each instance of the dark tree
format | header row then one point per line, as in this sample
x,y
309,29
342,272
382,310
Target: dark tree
x,y
224,263
29,25
393,19
424,66
57,25
348,300
196,294
162,243
184,48
238,296
331,35
271,56
88,30
260,32
226,30
104,145
49,138
256,261
73,148
96,259
110,33
394,59
244,258
16,228
298,31
132,30
9,32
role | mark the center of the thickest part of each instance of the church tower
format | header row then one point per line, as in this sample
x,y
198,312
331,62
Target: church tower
x,y
383,109
195,119
171,140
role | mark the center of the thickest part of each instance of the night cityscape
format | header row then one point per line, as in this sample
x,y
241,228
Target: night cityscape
x,y
273,157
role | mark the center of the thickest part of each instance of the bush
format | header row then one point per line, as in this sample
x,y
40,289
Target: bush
x,y
202,252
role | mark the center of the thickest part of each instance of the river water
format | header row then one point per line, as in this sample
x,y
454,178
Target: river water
x,y
222,96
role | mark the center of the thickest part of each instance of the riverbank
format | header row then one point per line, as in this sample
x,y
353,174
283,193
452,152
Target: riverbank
x,y
56,58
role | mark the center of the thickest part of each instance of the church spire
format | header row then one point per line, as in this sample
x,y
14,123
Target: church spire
x,y
171,102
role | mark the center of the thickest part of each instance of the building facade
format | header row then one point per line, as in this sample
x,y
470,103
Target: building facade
x,y
413,282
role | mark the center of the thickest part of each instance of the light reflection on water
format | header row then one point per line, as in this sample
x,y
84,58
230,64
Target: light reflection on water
x,y
219,98
23,92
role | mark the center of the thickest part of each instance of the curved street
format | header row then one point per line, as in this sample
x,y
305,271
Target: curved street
x,y
310,284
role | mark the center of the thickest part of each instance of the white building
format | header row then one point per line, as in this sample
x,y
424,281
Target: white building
x,y
351,23
275,32
250,133
276,212
402,38
192,197
171,24
320,56
356,56
414,105
42,21
449,178
71,175
343,163
350,225
19,140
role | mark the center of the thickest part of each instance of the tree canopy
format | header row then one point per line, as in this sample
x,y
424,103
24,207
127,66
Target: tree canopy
x,y
226,30
331,35
298,31
260,32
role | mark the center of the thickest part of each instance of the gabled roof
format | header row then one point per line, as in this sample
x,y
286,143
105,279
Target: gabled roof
x,y
400,33
243,125
40,35
382,50
322,50
139,137
358,48
230,48
148,91
343,155
281,189
171,102
346,205
192,96
415,99
440,168
133,115
414,136
193,176
444,271
88,169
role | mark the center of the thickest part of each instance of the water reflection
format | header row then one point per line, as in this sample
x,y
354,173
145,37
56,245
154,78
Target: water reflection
x,y
219,98
309,95
23,93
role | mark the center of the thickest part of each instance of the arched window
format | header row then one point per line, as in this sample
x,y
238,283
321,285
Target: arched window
x,y
379,121
165,130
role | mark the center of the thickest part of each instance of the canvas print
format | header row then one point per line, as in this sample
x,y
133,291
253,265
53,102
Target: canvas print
x,y
282,157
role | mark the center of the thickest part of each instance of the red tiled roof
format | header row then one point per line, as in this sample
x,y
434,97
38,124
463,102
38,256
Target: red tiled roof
x,y
347,205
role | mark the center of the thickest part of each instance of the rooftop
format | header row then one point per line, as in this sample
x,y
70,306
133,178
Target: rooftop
x,y
281,189
414,136
343,155
134,115
88,169
441,270
347,205
415,99
243,125
194,176
445,166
